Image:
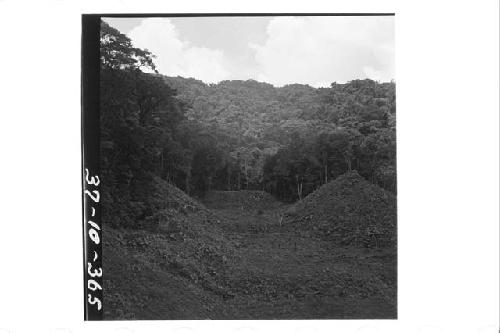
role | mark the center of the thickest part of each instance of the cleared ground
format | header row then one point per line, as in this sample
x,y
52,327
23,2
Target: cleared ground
x,y
285,275
272,272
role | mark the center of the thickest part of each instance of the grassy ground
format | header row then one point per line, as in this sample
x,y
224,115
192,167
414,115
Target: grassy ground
x,y
271,272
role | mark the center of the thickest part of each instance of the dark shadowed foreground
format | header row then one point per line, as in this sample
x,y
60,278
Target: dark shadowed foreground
x,y
244,255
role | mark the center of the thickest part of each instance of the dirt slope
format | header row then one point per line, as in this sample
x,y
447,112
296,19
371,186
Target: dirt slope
x,y
348,210
172,268
283,274
230,258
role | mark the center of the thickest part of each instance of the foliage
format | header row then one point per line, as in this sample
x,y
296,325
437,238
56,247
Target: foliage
x,y
117,51
234,135
291,140
165,140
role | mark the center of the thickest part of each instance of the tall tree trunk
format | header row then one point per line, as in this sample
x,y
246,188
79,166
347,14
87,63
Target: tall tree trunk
x,y
326,172
246,173
349,163
299,187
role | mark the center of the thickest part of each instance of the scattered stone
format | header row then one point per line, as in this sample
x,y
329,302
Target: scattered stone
x,y
348,210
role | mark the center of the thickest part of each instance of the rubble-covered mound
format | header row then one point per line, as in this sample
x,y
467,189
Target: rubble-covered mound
x,y
137,204
348,210
244,199
170,264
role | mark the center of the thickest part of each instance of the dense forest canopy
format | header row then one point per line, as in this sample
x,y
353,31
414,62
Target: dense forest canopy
x,y
292,139
236,134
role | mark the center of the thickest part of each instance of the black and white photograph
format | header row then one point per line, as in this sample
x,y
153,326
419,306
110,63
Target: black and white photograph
x,y
248,167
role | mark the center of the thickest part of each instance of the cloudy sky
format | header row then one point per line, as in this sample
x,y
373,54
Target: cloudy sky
x,y
278,50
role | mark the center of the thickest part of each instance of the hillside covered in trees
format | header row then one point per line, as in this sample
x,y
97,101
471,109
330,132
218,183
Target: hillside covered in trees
x,y
242,134
290,140
198,182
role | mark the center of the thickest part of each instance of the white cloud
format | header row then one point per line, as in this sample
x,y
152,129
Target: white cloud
x,y
374,74
307,50
176,56
317,50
